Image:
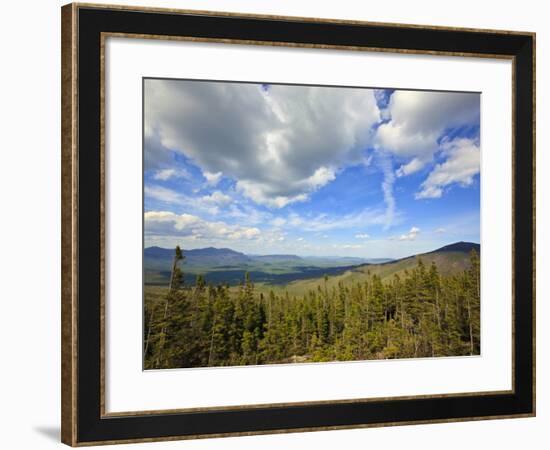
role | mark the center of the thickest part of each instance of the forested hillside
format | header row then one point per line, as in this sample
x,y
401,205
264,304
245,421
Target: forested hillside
x,y
449,260
420,311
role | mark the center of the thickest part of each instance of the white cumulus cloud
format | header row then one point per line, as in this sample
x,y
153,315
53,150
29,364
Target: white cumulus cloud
x,y
279,144
419,119
412,166
410,236
165,223
460,167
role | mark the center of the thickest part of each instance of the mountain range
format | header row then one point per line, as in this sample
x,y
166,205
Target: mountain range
x,y
224,265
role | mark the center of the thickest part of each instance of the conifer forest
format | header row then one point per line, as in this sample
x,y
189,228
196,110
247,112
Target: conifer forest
x,y
419,312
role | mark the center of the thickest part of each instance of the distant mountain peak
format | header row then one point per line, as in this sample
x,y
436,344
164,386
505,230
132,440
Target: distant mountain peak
x,y
460,246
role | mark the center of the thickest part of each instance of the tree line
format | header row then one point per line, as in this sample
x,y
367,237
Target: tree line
x,y
417,314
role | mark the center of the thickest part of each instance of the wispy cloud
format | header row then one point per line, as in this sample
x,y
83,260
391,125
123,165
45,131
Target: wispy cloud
x,y
217,198
348,246
167,174
209,204
163,194
323,222
386,165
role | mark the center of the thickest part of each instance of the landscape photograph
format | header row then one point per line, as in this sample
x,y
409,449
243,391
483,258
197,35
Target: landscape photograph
x,y
287,224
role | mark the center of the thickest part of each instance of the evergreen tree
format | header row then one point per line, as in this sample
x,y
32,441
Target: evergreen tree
x,y
416,313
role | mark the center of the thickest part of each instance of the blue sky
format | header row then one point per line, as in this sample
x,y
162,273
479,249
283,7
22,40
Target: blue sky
x,y
309,170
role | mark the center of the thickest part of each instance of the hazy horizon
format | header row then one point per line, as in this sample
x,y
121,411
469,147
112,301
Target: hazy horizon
x,y
302,255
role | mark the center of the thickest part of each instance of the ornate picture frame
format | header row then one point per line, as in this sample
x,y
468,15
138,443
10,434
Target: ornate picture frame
x,y
85,418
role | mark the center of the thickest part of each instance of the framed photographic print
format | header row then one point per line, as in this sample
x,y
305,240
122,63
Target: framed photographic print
x,y
281,224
